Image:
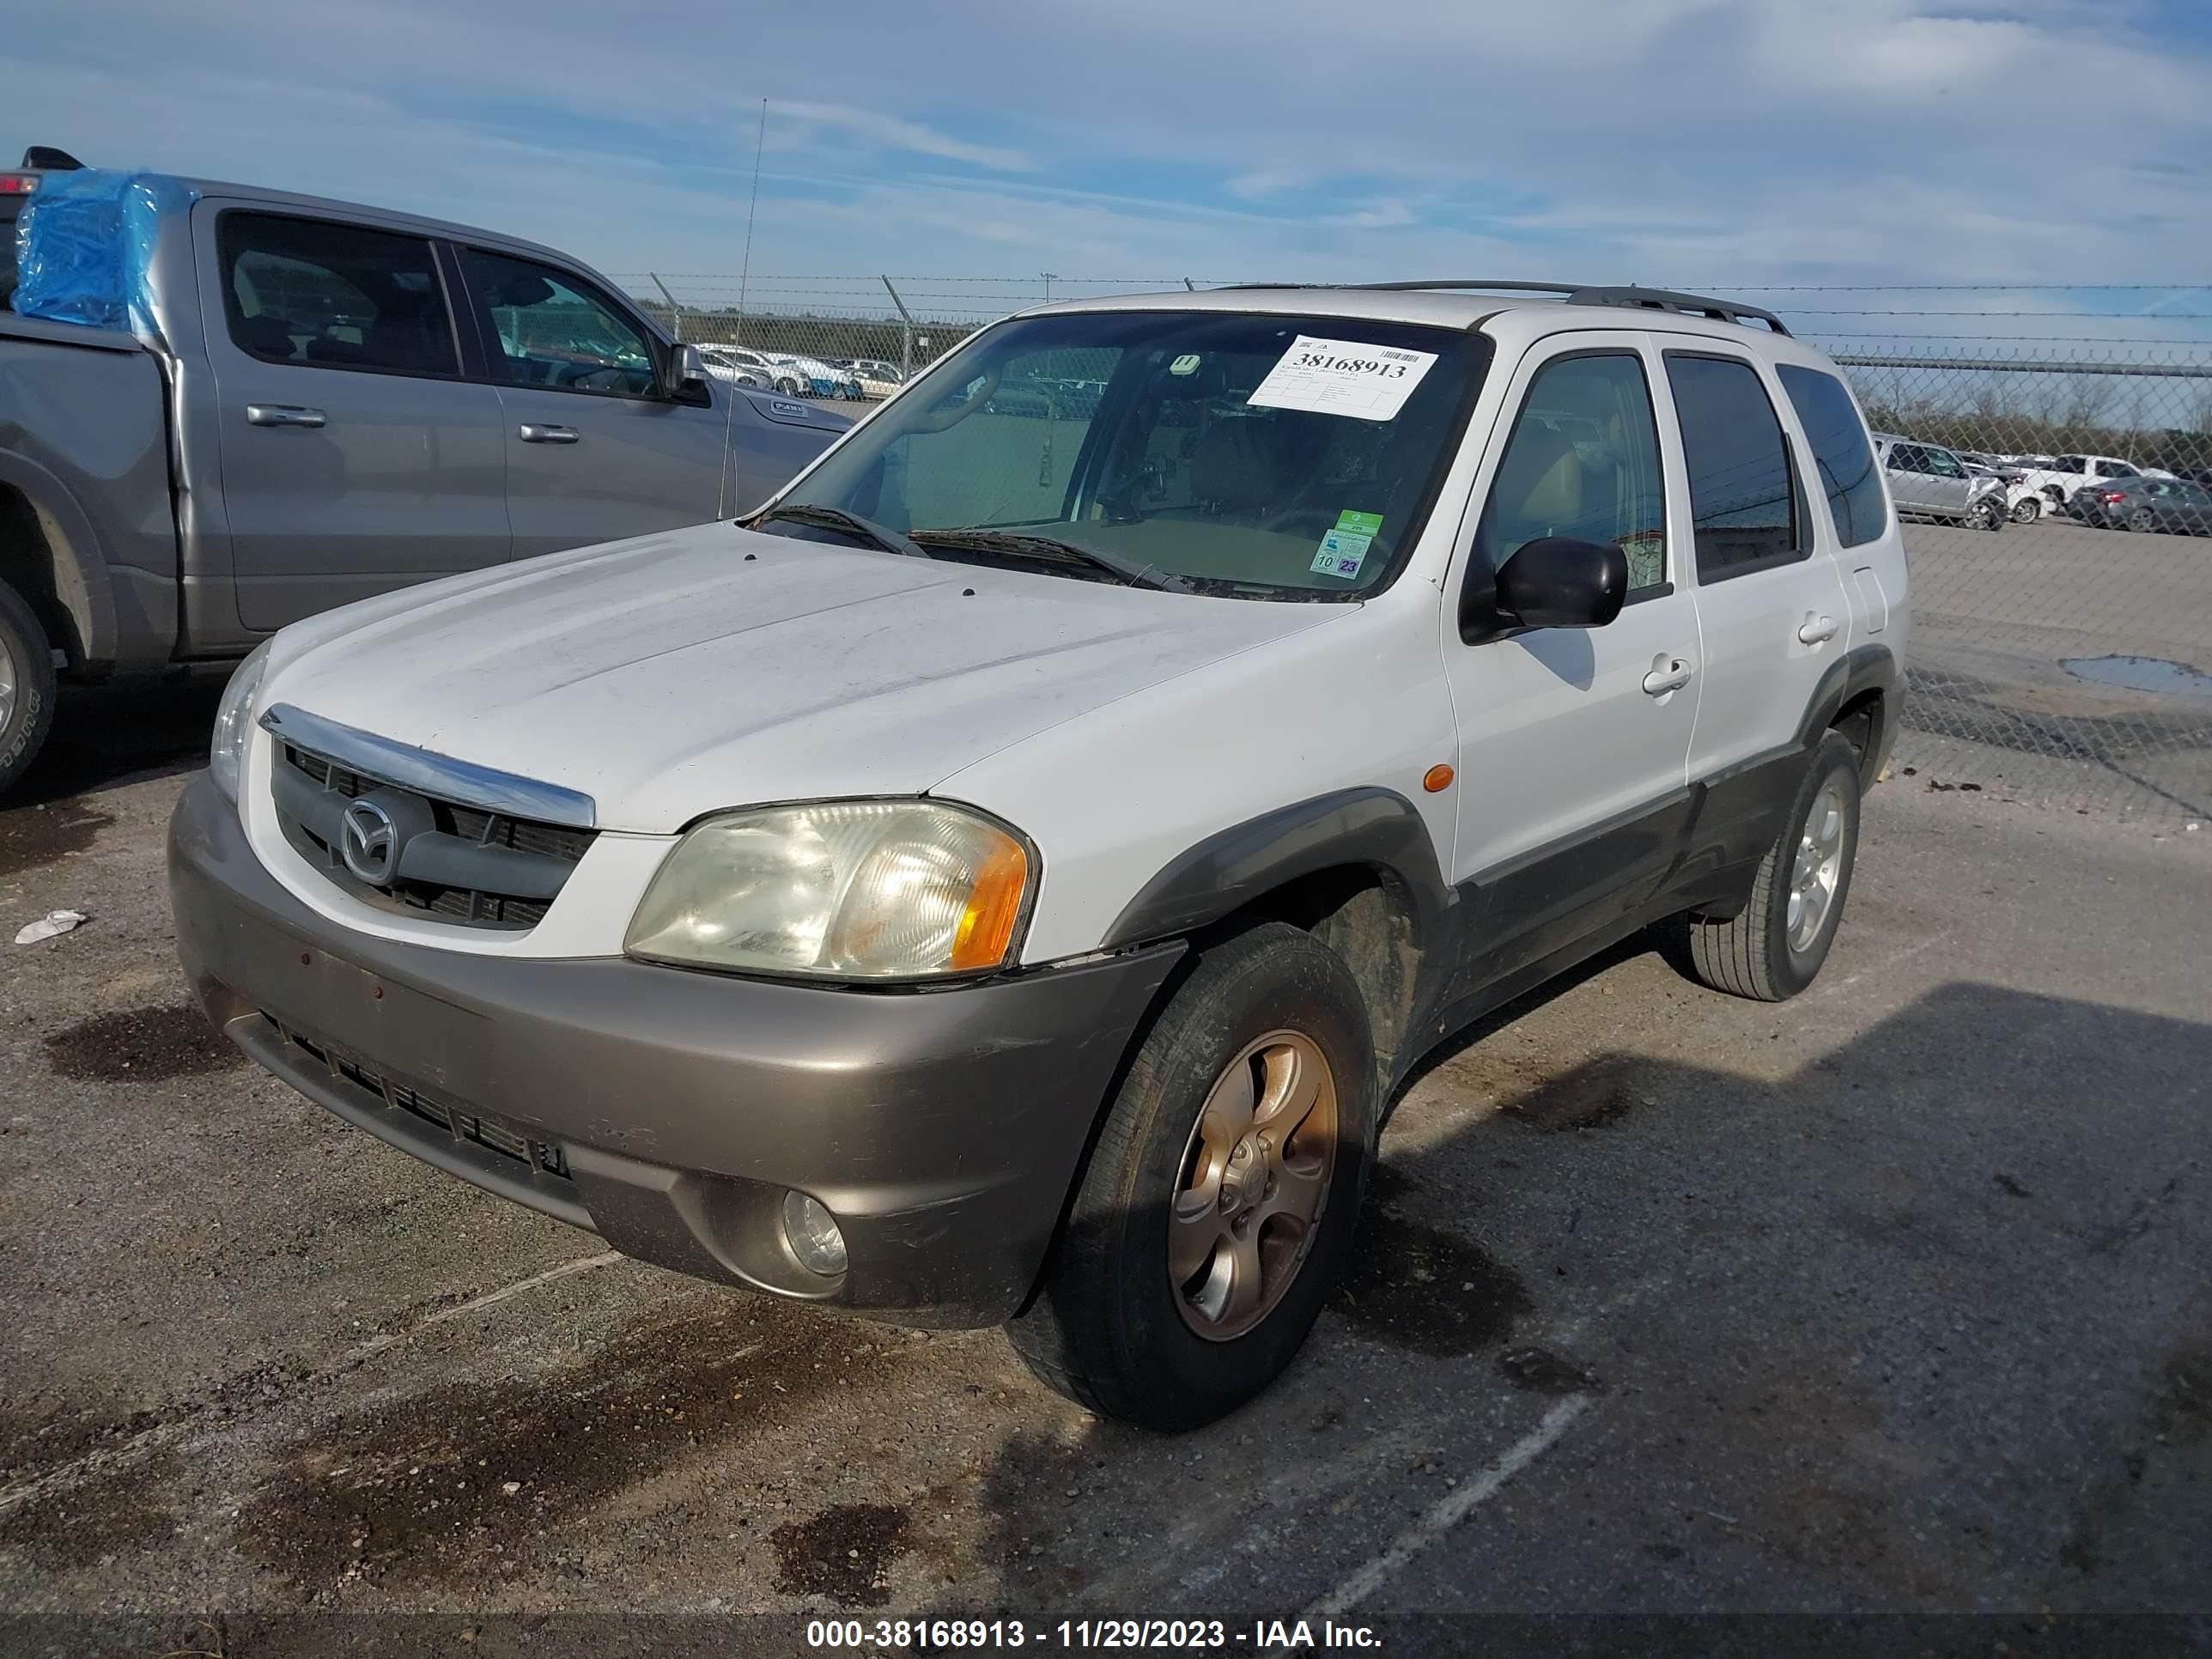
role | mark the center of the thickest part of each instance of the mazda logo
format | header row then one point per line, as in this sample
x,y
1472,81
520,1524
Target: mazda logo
x,y
369,843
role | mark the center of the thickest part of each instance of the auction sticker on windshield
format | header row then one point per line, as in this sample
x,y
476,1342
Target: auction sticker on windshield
x,y
1343,377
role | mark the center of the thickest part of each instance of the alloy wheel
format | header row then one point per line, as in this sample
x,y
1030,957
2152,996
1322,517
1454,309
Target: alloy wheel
x,y
1818,870
1254,1183
10,679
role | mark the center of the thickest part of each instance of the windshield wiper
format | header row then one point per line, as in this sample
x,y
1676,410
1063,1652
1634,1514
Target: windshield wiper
x,y
1025,545
836,518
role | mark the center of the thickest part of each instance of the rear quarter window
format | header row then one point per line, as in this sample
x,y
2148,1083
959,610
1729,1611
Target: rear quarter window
x,y
1841,452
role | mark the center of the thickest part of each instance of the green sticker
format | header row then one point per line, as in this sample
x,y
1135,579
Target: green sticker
x,y
1343,550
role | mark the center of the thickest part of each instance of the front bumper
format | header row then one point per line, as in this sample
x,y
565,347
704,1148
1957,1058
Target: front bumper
x,y
671,1111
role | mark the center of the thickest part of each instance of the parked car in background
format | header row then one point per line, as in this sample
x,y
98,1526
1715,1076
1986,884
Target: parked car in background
x,y
328,401
768,372
2179,506
891,916
2060,477
1927,481
878,378
723,365
812,377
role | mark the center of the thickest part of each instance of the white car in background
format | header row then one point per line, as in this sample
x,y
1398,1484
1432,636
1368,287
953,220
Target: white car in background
x,y
2057,478
732,367
878,378
812,377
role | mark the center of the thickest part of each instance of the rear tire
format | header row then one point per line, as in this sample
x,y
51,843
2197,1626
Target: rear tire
x,y
1187,1168
2027,509
1774,946
26,687
2143,521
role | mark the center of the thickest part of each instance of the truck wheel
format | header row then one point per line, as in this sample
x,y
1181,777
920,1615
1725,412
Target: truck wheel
x,y
1987,515
1772,948
1216,1212
2027,509
26,687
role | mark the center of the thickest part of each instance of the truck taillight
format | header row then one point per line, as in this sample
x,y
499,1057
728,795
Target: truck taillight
x,y
18,183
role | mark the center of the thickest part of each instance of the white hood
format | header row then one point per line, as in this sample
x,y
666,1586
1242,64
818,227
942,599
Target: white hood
x,y
673,676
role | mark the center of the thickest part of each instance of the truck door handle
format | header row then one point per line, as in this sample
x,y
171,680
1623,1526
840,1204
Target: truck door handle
x,y
1668,673
282,414
1816,629
532,433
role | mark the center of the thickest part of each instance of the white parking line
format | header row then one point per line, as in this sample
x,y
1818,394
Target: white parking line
x,y
1447,1512
490,1299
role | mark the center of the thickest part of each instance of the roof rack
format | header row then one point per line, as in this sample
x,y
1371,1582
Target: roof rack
x,y
1575,293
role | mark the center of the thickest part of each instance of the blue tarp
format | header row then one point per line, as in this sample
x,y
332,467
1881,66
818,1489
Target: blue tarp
x,y
84,242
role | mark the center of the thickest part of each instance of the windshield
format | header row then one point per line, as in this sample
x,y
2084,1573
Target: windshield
x,y
1290,458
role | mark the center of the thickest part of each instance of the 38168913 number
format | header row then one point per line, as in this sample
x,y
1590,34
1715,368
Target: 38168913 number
x,y
1351,365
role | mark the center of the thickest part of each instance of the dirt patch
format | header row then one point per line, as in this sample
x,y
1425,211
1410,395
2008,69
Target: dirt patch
x,y
1421,1288
451,1485
140,1045
1541,1371
87,1524
845,1552
34,836
1532,1090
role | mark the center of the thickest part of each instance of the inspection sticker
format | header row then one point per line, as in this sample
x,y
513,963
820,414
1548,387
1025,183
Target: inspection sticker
x,y
1343,550
1342,377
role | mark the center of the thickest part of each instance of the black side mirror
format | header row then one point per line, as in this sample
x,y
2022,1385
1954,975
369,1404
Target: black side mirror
x,y
1554,581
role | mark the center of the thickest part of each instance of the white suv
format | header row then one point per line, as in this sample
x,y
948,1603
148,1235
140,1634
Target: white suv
x,y
1006,878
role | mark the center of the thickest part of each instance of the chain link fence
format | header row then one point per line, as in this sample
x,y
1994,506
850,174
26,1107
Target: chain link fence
x,y
2052,465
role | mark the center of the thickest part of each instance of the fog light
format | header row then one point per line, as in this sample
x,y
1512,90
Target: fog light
x,y
814,1236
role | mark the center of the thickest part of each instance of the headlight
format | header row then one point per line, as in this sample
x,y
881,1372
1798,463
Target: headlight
x,y
233,720
842,889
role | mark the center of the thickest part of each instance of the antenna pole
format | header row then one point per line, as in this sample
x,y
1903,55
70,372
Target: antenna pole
x,y
737,334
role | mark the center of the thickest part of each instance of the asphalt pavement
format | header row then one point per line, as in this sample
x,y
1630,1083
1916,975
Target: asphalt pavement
x,y
1675,1315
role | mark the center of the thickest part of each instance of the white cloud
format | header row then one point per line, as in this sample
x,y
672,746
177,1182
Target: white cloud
x,y
1684,141
891,133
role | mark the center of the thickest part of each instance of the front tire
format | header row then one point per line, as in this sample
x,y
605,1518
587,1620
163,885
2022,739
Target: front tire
x,y
1772,948
1987,515
2027,509
1216,1212
26,687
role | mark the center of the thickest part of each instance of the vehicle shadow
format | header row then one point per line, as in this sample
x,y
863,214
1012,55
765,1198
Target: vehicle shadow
x,y
124,732
1907,1327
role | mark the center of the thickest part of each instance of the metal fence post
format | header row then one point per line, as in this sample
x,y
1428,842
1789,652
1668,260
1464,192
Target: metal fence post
x,y
906,332
675,311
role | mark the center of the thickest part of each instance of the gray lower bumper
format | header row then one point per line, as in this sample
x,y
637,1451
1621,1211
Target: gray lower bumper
x,y
671,1111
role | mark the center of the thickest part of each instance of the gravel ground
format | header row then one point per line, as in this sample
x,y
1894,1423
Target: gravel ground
x,y
1891,1302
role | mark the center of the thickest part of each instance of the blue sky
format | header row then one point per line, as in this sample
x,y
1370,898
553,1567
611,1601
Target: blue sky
x,y
1722,143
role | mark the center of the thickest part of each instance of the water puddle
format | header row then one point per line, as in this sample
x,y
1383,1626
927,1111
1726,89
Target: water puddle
x,y
2141,674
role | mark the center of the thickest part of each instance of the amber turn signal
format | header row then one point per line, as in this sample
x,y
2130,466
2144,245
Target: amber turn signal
x,y
1437,778
986,926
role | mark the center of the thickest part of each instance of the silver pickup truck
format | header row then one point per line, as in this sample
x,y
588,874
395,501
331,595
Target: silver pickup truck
x,y
332,401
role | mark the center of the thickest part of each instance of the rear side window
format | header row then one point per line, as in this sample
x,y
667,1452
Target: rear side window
x,y
329,295
1841,453
1743,494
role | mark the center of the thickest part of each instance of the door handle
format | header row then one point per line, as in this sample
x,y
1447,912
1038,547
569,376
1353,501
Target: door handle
x,y
1816,629
1668,673
282,414
531,433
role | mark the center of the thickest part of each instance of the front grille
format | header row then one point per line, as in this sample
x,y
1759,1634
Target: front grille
x,y
542,1157
471,906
